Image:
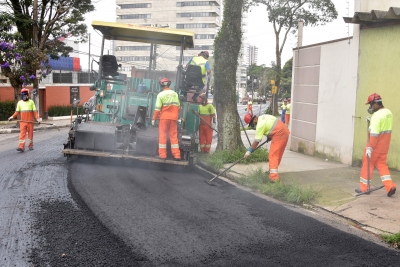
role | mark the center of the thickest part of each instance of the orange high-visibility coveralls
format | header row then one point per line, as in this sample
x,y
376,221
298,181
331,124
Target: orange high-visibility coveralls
x,y
28,112
250,107
207,112
380,132
287,114
167,106
278,132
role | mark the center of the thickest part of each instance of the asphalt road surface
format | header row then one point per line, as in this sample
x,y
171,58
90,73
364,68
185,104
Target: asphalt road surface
x,y
258,109
91,212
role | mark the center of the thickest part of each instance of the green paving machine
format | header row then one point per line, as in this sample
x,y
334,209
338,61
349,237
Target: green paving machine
x,y
118,119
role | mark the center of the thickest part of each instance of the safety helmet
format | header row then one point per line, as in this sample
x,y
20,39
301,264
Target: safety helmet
x,y
24,94
248,118
204,54
165,82
373,98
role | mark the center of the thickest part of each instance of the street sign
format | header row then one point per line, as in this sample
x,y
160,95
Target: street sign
x,y
274,89
273,82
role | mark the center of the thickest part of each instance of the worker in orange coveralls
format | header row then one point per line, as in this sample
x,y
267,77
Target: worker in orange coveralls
x,y
250,106
277,132
26,107
377,148
207,124
167,106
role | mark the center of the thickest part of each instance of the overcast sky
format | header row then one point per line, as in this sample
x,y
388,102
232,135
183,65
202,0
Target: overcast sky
x,y
259,31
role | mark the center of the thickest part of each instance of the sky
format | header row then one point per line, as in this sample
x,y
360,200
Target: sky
x,y
259,31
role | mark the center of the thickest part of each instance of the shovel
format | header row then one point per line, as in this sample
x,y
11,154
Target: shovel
x,y
40,123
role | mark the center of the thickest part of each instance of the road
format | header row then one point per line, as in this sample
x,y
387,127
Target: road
x,y
258,109
102,213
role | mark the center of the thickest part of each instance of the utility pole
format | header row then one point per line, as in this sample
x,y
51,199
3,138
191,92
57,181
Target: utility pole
x,y
89,70
35,30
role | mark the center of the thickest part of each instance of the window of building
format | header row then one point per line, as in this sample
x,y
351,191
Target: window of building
x,y
132,48
135,16
195,25
204,36
197,3
198,47
196,14
62,77
144,5
126,68
133,58
83,77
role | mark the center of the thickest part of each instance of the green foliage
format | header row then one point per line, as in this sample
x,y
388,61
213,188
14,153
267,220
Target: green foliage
x,y
55,111
217,159
7,108
286,80
292,193
394,240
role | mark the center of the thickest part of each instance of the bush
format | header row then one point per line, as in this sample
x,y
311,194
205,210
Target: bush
x,y
55,111
7,108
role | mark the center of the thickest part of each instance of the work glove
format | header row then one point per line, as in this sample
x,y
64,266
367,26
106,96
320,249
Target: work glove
x,y
153,122
10,119
368,152
269,139
248,153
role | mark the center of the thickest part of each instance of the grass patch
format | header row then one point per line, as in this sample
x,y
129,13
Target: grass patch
x,y
393,240
217,159
292,193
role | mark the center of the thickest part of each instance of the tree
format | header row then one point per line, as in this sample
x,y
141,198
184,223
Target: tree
x,y
40,24
285,15
227,47
286,80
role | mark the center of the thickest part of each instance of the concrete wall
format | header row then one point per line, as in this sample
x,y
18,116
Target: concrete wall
x,y
336,100
305,89
378,72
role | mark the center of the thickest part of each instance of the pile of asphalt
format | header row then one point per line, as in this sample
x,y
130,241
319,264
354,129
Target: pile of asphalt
x,y
69,234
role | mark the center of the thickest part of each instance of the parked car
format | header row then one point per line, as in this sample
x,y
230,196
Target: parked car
x,y
244,100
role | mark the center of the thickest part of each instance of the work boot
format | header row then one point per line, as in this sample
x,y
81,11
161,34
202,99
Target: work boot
x,y
177,159
20,150
358,191
31,148
391,191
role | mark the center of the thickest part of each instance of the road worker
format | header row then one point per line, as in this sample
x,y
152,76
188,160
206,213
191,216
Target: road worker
x,y
250,106
167,107
379,135
202,61
275,131
287,113
207,124
283,108
27,109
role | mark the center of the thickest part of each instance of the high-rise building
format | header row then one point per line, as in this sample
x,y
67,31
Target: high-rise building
x,y
200,17
252,54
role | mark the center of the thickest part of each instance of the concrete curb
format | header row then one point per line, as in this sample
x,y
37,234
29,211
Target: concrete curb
x,y
50,127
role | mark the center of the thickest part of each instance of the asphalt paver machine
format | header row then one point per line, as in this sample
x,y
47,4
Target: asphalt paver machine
x,y
122,108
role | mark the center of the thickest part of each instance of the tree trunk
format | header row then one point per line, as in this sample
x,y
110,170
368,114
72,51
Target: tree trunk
x,y
227,47
278,74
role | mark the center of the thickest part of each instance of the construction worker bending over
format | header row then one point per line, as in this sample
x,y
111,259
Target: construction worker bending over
x,y
287,113
202,61
276,132
207,124
167,107
250,106
377,148
26,107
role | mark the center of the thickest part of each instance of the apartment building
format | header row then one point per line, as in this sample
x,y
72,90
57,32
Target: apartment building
x,y
201,17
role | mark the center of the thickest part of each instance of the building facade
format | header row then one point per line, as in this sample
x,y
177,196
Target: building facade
x,y
201,17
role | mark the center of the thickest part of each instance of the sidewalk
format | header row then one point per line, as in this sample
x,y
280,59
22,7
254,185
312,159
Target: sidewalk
x,y
336,183
7,127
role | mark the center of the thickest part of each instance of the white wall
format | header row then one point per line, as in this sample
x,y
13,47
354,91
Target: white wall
x,y
368,5
336,100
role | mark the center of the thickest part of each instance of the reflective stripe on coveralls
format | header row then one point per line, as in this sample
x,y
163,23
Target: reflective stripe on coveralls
x,y
28,112
167,106
200,61
380,132
207,112
273,128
